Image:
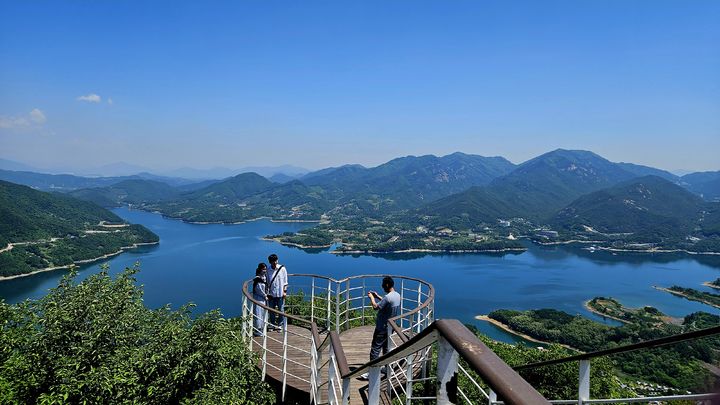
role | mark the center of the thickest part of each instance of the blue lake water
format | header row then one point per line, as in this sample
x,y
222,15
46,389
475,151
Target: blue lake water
x,y
206,264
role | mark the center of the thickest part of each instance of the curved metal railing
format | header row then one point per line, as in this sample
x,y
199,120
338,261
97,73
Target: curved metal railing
x,y
321,304
322,307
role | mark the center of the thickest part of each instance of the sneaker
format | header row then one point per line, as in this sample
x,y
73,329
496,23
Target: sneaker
x,y
364,377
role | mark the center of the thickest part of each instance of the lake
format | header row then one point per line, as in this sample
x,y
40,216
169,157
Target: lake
x,y
206,264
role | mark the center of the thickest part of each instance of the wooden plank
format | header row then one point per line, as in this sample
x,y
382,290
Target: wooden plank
x,y
356,345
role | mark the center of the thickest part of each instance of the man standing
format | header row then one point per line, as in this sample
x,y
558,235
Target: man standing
x,y
277,291
388,307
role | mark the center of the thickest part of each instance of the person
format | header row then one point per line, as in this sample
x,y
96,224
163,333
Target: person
x,y
276,291
387,307
259,292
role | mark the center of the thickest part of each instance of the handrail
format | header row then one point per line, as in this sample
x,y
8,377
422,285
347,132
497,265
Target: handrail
x,y
428,300
267,308
499,376
628,348
339,353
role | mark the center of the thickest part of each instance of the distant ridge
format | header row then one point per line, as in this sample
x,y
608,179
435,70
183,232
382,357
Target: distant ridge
x,y
649,207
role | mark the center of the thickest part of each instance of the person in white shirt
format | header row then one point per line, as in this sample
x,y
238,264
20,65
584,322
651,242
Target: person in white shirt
x,y
277,280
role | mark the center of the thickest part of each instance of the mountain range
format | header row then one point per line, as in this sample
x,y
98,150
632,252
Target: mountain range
x,y
561,188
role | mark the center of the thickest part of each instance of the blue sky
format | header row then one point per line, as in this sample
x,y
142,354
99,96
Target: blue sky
x,y
317,84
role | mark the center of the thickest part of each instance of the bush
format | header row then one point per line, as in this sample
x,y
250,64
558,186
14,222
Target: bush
x,y
95,342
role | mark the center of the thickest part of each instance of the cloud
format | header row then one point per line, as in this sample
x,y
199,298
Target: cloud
x,y
90,98
37,116
34,118
109,101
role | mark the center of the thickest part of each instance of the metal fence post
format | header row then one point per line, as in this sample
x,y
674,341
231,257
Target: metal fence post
x,y
312,301
347,305
584,382
408,380
244,317
264,353
337,309
364,296
329,294
374,386
284,359
447,366
492,397
345,391
331,377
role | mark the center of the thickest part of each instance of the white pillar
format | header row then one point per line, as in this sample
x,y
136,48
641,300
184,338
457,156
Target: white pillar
x,y
374,386
584,382
446,370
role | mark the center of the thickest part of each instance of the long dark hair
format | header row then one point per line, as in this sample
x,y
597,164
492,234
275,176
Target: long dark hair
x,y
260,268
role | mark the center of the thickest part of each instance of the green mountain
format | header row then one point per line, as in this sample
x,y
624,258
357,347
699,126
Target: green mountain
x,y
648,208
231,189
68,182
127,192
707,184
535,190
222,201
640,170
56,182
51,229
409,181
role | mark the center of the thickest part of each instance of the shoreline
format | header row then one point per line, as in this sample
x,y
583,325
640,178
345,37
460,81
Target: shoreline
x,y
587,306
510,330
296,244
711,285
372,252
84,261
683,295
611,249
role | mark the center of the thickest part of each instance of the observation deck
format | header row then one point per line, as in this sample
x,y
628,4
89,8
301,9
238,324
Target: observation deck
x,y
323,348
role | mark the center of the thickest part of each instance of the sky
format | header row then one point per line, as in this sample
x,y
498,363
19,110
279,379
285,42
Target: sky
x,y
324,83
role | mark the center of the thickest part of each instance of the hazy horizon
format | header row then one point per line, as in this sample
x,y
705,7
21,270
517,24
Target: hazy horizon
x,y
164,85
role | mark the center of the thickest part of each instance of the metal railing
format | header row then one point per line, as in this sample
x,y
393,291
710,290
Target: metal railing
x,y
584,371
323,305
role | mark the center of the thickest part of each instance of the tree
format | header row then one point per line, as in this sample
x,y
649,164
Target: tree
x,y
96,342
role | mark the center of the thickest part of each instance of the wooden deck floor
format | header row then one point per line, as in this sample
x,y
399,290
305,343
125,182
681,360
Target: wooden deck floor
x,y
356,345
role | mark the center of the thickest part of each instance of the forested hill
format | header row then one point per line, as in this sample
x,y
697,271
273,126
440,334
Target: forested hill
x,y
27,214
706,184
536,189
136,191
40,230
410,181
648,204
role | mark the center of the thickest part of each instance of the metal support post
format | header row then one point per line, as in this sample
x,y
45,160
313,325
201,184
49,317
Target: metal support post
x,y
374,386
284,359
347,305
264,352
312,301
337,309
329,294
447,367
408,380
492,397
584,382
345,391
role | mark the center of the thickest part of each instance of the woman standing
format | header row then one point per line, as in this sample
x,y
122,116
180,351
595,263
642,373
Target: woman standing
x,y
259,295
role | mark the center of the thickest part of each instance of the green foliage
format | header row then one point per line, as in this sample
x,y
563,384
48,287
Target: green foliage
x,y
95,342
27,214
696,295
676,365
50,230
135,191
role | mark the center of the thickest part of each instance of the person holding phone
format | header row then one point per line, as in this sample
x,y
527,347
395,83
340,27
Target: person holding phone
x,y
387,307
